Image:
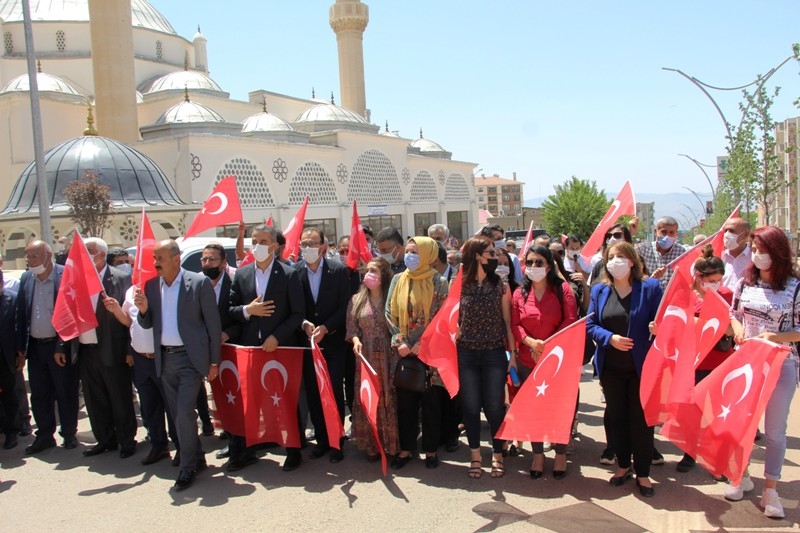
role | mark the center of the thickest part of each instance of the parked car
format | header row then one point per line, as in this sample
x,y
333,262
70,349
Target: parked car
x,y
192,249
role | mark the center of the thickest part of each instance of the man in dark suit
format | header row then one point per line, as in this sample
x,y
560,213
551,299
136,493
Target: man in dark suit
x,y
326,288
105,366
8,365
267,301
181,309
36,343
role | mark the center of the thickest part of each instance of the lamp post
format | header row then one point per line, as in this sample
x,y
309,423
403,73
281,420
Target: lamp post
x,y
708,179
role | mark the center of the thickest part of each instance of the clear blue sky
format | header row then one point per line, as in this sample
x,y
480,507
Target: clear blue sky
x,y
546,89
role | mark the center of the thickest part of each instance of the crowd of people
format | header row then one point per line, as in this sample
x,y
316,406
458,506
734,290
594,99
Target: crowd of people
x,y
165,338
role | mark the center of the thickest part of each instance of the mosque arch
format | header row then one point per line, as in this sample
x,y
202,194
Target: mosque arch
x,y
456,188
423,189
374,180
312,180
250,181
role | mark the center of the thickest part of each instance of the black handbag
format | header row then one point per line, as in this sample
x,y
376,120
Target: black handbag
x,y
411,374
724,344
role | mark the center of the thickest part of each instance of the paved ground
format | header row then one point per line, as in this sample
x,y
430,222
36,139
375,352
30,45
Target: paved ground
x,y
62,490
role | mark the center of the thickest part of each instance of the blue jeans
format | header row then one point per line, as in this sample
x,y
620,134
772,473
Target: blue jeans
x,y
776,419
482,376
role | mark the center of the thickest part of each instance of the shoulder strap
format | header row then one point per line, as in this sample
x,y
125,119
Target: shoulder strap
x,y
794,299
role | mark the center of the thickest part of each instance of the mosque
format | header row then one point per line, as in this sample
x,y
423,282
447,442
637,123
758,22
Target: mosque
x,y
125,97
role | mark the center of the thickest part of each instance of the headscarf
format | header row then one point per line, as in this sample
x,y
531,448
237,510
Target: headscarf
x,y
421,289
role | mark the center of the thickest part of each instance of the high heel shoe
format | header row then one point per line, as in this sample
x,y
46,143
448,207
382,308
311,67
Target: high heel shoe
x,y
647,492
537,473
618,481
560,474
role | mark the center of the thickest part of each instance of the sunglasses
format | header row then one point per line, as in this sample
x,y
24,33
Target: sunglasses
x,y
616,235
538,263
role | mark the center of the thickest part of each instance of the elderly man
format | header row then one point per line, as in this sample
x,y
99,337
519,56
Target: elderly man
x,y
736,256
181,308
663,250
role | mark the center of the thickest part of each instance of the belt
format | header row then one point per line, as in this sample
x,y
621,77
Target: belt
x,y
46,340
173,349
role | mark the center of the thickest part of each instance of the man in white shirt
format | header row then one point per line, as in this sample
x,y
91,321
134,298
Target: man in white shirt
x,y
736,255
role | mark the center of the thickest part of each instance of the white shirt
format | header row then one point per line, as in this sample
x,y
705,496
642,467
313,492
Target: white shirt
x,y
170,335
315,278
90,337
218,288
141,339
262,282
735,266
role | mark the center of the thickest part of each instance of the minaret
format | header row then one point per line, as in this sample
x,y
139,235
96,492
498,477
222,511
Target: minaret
x,y
112,65
349,19
200,54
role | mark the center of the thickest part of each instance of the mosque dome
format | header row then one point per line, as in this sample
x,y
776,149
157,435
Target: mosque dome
x,y
187,112
329,116
263,122
47,84
183,79
142,13
134,179
388,133
427,146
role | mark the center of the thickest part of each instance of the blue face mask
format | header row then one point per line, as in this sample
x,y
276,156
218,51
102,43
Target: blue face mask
x,y
412,261
666,242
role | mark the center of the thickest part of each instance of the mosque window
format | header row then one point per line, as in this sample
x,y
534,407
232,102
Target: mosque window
x,y
61,41
373,180
456,188
159,50
424,189
311,180
253,188
8,40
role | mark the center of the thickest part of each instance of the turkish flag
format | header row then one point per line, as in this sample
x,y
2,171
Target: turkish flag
x,y
528,241
333,422
228,393
269,221
438,343
625,204
74,313
220,208
728,405
145,262
716,240
359,249
293,232
545,404
712,324
369,394
247,259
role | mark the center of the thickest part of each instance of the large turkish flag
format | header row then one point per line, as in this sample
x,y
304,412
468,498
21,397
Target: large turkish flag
x,y
220,208
74,313
625,204
333,422
369,394
438,344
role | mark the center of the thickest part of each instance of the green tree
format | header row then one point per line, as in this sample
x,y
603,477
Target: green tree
x,y
89,204
576,207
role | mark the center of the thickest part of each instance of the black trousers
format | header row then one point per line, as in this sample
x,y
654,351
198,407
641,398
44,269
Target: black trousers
x,y
627,430
50,385
335,361
151,402
451,417
8,398
432,403
108,396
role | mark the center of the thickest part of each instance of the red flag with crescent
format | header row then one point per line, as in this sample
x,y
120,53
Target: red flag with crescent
x,y
359,249
712,324
625,204
145,268
333,422
369,394
74,313
220,208
228,393
269,221
438,343
293,232
545,404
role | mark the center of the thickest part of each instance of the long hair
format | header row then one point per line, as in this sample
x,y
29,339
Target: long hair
x,y
554,281
626,234
772,240
474,247
708,264
629,252
512,281
362,296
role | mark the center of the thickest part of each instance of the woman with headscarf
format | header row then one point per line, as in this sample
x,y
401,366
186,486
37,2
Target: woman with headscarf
x,y
415,295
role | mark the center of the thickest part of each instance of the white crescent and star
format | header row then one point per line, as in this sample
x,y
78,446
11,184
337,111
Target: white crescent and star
x,y
558,352
223,203
366,387
321,375
747,372
228,365
611,213
450,321
274,365
673,310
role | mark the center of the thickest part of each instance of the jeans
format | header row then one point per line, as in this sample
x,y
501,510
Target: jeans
x,y
776,419
482,376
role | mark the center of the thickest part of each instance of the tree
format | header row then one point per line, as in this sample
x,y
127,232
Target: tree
x,y
89,204
575,207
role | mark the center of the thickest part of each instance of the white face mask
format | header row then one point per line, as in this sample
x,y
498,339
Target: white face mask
x,y
612,240
310,255
619,267
261,252
38,270
500,243
573,254
712,285
125,267
503,271
730,240
536,274
762,261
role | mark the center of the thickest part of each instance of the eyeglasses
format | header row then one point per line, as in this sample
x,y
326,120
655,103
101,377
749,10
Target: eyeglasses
x,y
538,263
616,235
310,244
491,253
205,260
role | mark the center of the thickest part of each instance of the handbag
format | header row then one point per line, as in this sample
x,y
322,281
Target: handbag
x,y
411,374
724,344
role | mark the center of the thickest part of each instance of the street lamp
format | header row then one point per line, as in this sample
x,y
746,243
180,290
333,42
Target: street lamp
x,y
700,166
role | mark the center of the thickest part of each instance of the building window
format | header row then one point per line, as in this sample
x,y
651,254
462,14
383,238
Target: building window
x,y
506,198
159,50
491,189
61,41
377,223
480,189
8,40
457,222
328,228
493,198
481,206
422,221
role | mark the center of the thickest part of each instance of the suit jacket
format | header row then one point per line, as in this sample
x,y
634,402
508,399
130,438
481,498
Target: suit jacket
x,y
8,321
330,309
113,338
199,323
645,298
284,288
25,303
229,326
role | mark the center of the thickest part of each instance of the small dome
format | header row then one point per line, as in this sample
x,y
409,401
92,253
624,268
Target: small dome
x,y
388,133
46,82
426,145
134,179
264,121
330,113
187,111
183,79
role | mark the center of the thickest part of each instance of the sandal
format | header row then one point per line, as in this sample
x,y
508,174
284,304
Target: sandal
x,y
475,471
498,469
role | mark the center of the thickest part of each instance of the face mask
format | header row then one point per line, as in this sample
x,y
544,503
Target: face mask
x,y
343,259
310,255
574,254
619,267
125,267
412,261
371,280
38,270
389,257
536,274
490,266
261,252
730,240
762,261
212,272
612,240
500,244
712,286
665,242
503,271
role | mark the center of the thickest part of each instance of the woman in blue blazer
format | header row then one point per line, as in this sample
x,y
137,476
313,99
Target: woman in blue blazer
x,y
621,308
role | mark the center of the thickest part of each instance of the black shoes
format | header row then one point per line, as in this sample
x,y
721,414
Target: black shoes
x,y
224,453
25,430
99,448
40,444
559,474
647,492
238,464
185,478
399,462
336,456
536,474
127,451
155,456
431,462
319,451
618,481
685,464
453,444
208,431
293,460
70,442
11,441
